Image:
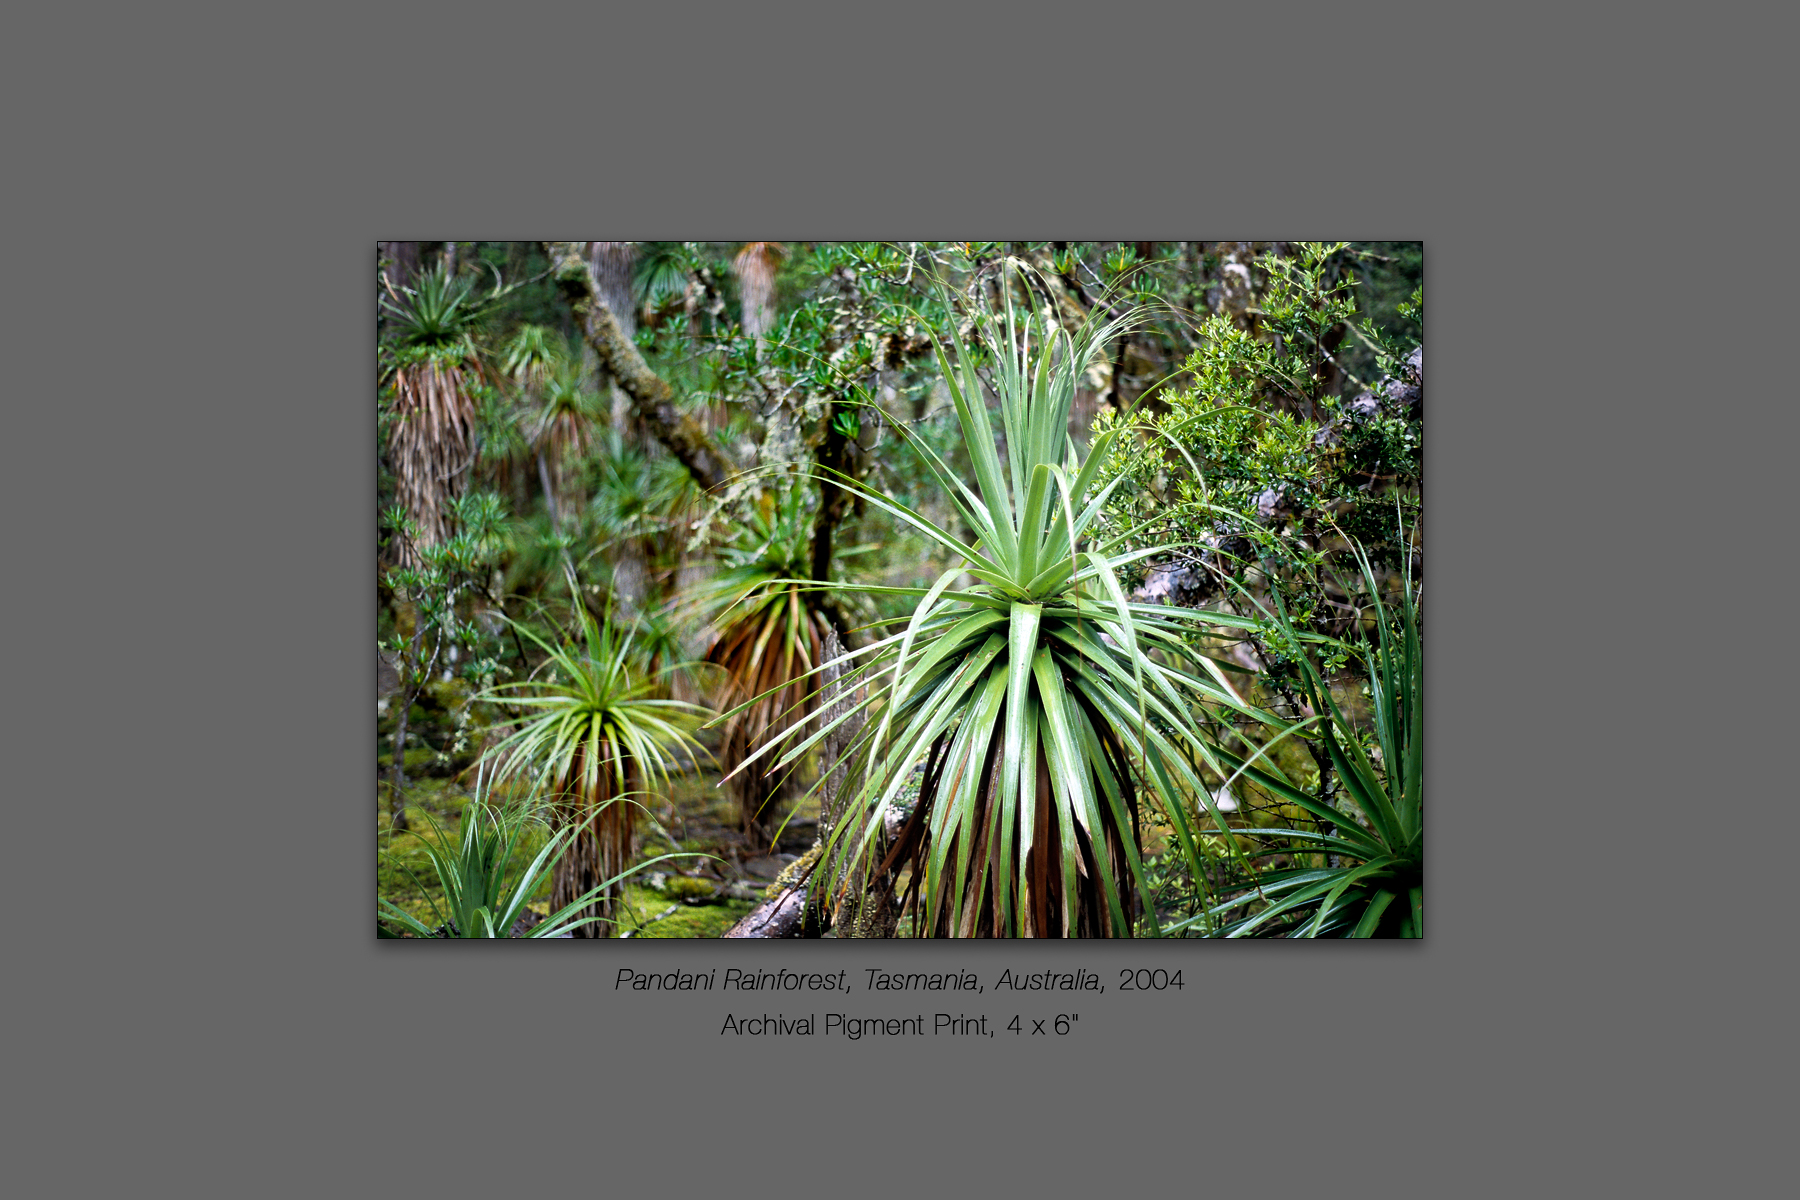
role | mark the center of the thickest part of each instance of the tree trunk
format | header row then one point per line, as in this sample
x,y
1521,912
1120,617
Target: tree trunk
x,y
399,262
406,674
430,448
834,462
755,266
397,781
612,264
549,493
1045,907
1237,289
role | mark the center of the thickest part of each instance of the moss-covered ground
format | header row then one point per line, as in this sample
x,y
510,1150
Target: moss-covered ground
x,y
697,896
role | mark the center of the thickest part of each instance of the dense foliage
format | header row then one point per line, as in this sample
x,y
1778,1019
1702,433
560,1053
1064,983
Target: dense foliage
x,y
1155,687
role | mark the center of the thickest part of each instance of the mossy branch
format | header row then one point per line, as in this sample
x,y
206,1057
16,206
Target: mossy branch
x,y
651,397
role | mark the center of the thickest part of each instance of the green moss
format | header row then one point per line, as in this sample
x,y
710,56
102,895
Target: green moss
x,y
704,921
680,887
448,695
420,760
643,909
791,873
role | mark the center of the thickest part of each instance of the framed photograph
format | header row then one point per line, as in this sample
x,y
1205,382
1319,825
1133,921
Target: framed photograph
x,y
899,589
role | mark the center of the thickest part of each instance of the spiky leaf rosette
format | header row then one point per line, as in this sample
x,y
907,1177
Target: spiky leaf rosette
x,y
599,738
567,411
1372,883
1038,698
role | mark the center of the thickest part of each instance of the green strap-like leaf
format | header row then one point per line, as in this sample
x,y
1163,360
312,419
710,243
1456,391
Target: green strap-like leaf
x,y
1371,918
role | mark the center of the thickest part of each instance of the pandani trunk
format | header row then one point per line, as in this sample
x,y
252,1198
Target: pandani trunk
x,y
602,848
1046,909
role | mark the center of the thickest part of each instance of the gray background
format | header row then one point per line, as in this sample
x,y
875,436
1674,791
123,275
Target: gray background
x,y
200,1003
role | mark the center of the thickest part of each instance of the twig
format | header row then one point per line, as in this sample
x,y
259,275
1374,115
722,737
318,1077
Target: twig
x,y
643,925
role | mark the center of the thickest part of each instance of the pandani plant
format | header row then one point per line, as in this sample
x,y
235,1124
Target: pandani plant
x,y
594,736
1037,698
432,376
771,640
566,409
1366,877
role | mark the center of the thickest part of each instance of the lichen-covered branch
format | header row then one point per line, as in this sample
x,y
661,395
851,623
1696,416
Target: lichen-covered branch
x,y
651,397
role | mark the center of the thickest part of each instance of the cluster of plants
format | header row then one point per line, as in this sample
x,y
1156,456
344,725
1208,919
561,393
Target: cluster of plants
x,y
1285,489
1076,583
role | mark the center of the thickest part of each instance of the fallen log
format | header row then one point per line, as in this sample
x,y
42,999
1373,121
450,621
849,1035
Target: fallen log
x,y
782,917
